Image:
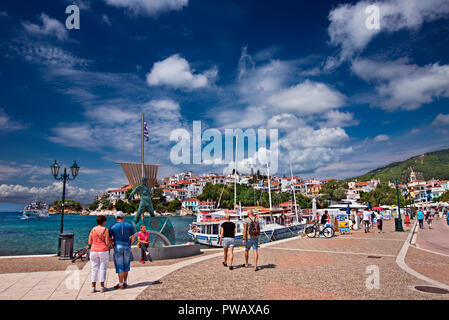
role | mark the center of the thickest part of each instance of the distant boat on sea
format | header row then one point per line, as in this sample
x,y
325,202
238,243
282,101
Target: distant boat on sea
x,y
37,209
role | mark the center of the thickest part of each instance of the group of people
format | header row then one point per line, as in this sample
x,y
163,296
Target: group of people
x,y
120,236
251,232
369,218
428,215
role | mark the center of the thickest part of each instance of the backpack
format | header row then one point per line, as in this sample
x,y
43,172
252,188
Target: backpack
x,y
254,228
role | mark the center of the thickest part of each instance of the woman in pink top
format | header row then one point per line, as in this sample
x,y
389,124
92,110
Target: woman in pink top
x,y
99,252
144,242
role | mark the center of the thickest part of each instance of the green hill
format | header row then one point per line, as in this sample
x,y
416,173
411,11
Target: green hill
x,y
427,166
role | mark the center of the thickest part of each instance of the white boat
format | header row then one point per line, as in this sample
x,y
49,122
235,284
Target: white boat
x,y
274,225
37,209
343,204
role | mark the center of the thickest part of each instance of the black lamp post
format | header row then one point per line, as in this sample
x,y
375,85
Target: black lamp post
x,y
63,177
398,221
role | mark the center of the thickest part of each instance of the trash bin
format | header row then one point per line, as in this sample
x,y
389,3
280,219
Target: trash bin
x,y
66,246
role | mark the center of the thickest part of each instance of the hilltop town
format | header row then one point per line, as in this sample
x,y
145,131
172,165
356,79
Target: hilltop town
x,y
185,194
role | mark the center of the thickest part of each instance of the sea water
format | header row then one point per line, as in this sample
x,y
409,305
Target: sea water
x,y
40,235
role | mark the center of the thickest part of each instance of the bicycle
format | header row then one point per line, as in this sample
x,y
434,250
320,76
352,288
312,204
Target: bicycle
x,y
313,230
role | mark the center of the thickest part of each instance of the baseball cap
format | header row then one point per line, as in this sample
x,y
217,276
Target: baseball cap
x,y
119,214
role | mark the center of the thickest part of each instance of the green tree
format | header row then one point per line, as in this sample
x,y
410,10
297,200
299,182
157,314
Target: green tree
x,y
443,198
334,190
124,207
174,205
94,205
68,204
382,195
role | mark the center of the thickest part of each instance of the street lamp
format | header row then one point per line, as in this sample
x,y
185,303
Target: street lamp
x,y
398,221
63,177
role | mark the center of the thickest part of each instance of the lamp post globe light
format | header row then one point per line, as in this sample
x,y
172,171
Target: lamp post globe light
x,y
64,177
398,221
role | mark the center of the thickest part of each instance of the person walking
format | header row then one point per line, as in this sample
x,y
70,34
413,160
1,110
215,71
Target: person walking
x,y
420,216
227,240
251,232
324,218
99,243
366,219
379,221
143,239
430,219
122,234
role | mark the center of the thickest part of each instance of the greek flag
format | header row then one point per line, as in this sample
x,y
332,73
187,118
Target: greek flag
x,y
145,131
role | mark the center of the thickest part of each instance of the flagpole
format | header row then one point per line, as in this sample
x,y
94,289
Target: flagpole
x,y
142,147
294,193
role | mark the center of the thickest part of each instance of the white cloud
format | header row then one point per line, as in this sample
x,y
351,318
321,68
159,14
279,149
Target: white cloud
x,y
22,194
441,120
50,27
307,98
307,137
285,121
176,72
348,29
149,7
335,118
402,85
106,20
381,138
48,55
119,129
7,125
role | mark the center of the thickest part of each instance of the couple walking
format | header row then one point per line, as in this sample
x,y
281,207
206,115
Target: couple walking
x,y
119,236
251,232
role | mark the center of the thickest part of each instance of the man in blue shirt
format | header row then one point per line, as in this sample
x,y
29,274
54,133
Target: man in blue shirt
x,y
122,234
420,216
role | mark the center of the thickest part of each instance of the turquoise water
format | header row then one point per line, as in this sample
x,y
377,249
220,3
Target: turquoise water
x,y
40,236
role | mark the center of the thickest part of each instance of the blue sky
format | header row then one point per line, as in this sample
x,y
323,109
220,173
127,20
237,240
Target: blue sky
x,y
344,98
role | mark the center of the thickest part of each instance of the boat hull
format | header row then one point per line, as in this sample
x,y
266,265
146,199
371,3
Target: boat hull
x,y
266,236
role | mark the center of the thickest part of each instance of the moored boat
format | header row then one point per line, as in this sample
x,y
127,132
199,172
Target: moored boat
x,y
275,225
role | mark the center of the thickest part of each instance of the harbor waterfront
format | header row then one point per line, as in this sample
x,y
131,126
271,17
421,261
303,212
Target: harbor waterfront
x,y
39,235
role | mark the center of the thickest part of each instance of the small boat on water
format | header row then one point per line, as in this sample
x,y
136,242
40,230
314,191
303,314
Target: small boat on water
x,y
37,209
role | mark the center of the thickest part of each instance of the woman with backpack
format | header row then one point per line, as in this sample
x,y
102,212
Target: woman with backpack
x,y
99,243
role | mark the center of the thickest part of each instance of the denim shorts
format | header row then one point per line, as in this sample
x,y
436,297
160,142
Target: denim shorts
x,y
122,258
228,242
254,243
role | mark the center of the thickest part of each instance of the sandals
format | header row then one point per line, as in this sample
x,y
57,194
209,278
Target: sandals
x,y
231,268
256,268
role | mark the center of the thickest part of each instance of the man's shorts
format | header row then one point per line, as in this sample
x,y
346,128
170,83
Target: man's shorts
x,y
254,243
228,242
122,258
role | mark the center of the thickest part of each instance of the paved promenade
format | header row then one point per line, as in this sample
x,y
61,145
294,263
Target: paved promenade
x,y
299,268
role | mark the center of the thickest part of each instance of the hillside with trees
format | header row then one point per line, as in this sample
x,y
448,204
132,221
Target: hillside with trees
x,y
431,165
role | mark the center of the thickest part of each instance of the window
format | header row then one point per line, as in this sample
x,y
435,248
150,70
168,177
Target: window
x,y
215,229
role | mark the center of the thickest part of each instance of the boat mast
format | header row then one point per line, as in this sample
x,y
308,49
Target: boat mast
x,y
294,194
235,176
142,146
269,186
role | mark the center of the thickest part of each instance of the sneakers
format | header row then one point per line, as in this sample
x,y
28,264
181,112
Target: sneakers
x,y
231,268
93,290
224,264
103,289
